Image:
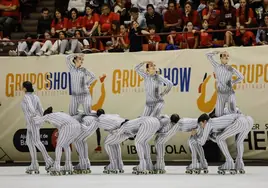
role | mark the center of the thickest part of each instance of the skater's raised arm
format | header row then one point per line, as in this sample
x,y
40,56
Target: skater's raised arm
x,y
239,76
139,70
69,61
168,83
210,57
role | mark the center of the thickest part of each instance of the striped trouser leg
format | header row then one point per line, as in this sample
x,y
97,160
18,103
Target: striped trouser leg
x,y
232,103
31,146
35,130
79,145
87,104
248,124
74,104
145,133
231,130
112,148
193,146
201,154
160,142
220,104
157,109
147,110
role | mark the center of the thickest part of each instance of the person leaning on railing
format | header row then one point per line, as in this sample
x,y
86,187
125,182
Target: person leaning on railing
x,y
262,34
23,47
60,46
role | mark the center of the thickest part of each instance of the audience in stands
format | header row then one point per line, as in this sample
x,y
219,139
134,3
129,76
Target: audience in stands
x,y
122,22
44,23
9,16
23,47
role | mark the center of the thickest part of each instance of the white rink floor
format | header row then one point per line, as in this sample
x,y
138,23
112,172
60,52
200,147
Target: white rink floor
x,y
15,177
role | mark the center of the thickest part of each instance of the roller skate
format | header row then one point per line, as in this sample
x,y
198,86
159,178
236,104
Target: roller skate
x,y
204,168
49,165
77,169
141,169
239,166
228,166
86,169
193,169
98,149
55,171
159,171
159,167
108,169
150,166
67,169
32,169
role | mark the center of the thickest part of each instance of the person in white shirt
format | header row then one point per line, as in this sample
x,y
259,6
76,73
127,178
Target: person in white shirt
x,y
78,4
138,17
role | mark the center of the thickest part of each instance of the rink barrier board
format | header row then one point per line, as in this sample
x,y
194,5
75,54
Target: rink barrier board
x,y
122,92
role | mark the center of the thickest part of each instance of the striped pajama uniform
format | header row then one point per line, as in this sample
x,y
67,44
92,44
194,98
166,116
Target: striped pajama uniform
x,y
154,99
183,125
89,126
31,107
68,131
79,87
225,93
222,128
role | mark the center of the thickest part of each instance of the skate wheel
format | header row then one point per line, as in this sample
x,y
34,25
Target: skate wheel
x,y
221,172
242,171
84,171
205,171
121,171
189,172
233,172
197,171
115,171
88,171
37,172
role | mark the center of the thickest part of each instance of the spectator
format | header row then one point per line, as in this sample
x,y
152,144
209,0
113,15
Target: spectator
x,y
190,15
9,15
78,4
75,22
218,4
172,40
134,38
39,48
107,17
59,23
261,11
124,40
244,14
262,34
46,44
172,18
205,36
153,39
228,18
121,9
136,16
59,46
23,47
44,23
78,45
90,22
162,6
211,14
245,38
188,40
142,4
154,18
115,44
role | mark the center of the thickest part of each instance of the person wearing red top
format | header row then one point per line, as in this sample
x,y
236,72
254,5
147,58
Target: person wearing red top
x,y
188,40
74,23
228,15
172,17
245,38
90,21
244,15
190,15
205,36
59,23
211,14
153,39
9,13
106,19
124,40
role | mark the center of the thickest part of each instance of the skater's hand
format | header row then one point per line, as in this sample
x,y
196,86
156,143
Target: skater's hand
x,y
194,132
229,83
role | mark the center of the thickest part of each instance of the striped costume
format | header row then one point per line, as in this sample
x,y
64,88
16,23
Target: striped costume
x,y
144,128
32,107
224,127
183,125
89,126
225,84
68,131
80,87
154,99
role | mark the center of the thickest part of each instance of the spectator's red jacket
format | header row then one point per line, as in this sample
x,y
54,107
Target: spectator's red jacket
x,y
192,17
214,18
78,23
60,25
89,23
106,21
14,13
